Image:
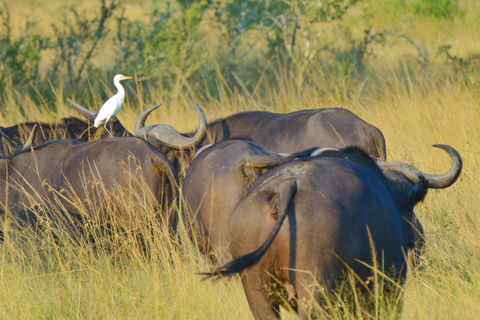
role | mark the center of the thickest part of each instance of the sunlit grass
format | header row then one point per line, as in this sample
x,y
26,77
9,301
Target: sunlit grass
x,y
122,284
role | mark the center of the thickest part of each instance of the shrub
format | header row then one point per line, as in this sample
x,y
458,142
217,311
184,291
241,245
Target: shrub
x,y
438,8
19,56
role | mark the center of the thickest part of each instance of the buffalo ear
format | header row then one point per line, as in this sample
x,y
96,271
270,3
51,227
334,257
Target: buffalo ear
x,y
257,165
417,194
252,174
263,161
77,127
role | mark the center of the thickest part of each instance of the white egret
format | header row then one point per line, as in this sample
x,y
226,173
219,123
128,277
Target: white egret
x,y
112,107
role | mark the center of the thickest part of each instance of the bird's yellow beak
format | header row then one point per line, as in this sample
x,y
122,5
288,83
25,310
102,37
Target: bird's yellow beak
x,y
123,77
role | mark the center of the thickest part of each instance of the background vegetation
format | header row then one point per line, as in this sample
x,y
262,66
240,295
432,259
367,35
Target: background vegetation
x,y
410,67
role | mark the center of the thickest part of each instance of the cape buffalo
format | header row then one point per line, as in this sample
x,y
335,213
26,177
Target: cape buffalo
x,y
310,221
296,131
80,177
216,181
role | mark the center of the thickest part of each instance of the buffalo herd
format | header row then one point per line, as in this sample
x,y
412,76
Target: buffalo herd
x,y
288,201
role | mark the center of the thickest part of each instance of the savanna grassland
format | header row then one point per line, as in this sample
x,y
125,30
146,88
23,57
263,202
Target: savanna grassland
x,y
415,74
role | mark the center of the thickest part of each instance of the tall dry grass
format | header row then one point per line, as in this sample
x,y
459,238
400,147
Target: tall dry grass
x,y
44,278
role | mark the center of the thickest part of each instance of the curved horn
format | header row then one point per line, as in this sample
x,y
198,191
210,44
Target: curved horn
x,y
205,147
31,137
143,116
434,181
323,150
440,181
169,136
83,111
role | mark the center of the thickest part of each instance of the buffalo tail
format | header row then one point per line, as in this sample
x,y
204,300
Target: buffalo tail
x,y
286,192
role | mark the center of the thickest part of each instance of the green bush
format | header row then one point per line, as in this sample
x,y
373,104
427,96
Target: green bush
x,y
255,41
19,56
438,8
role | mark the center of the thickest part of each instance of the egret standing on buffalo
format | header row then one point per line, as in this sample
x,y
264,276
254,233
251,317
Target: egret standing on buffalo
x,y
112,107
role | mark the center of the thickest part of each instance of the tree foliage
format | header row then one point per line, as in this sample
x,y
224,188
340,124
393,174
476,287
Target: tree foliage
x,y
185,44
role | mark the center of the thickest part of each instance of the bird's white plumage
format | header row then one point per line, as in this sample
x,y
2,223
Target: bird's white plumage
x,y
112,107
